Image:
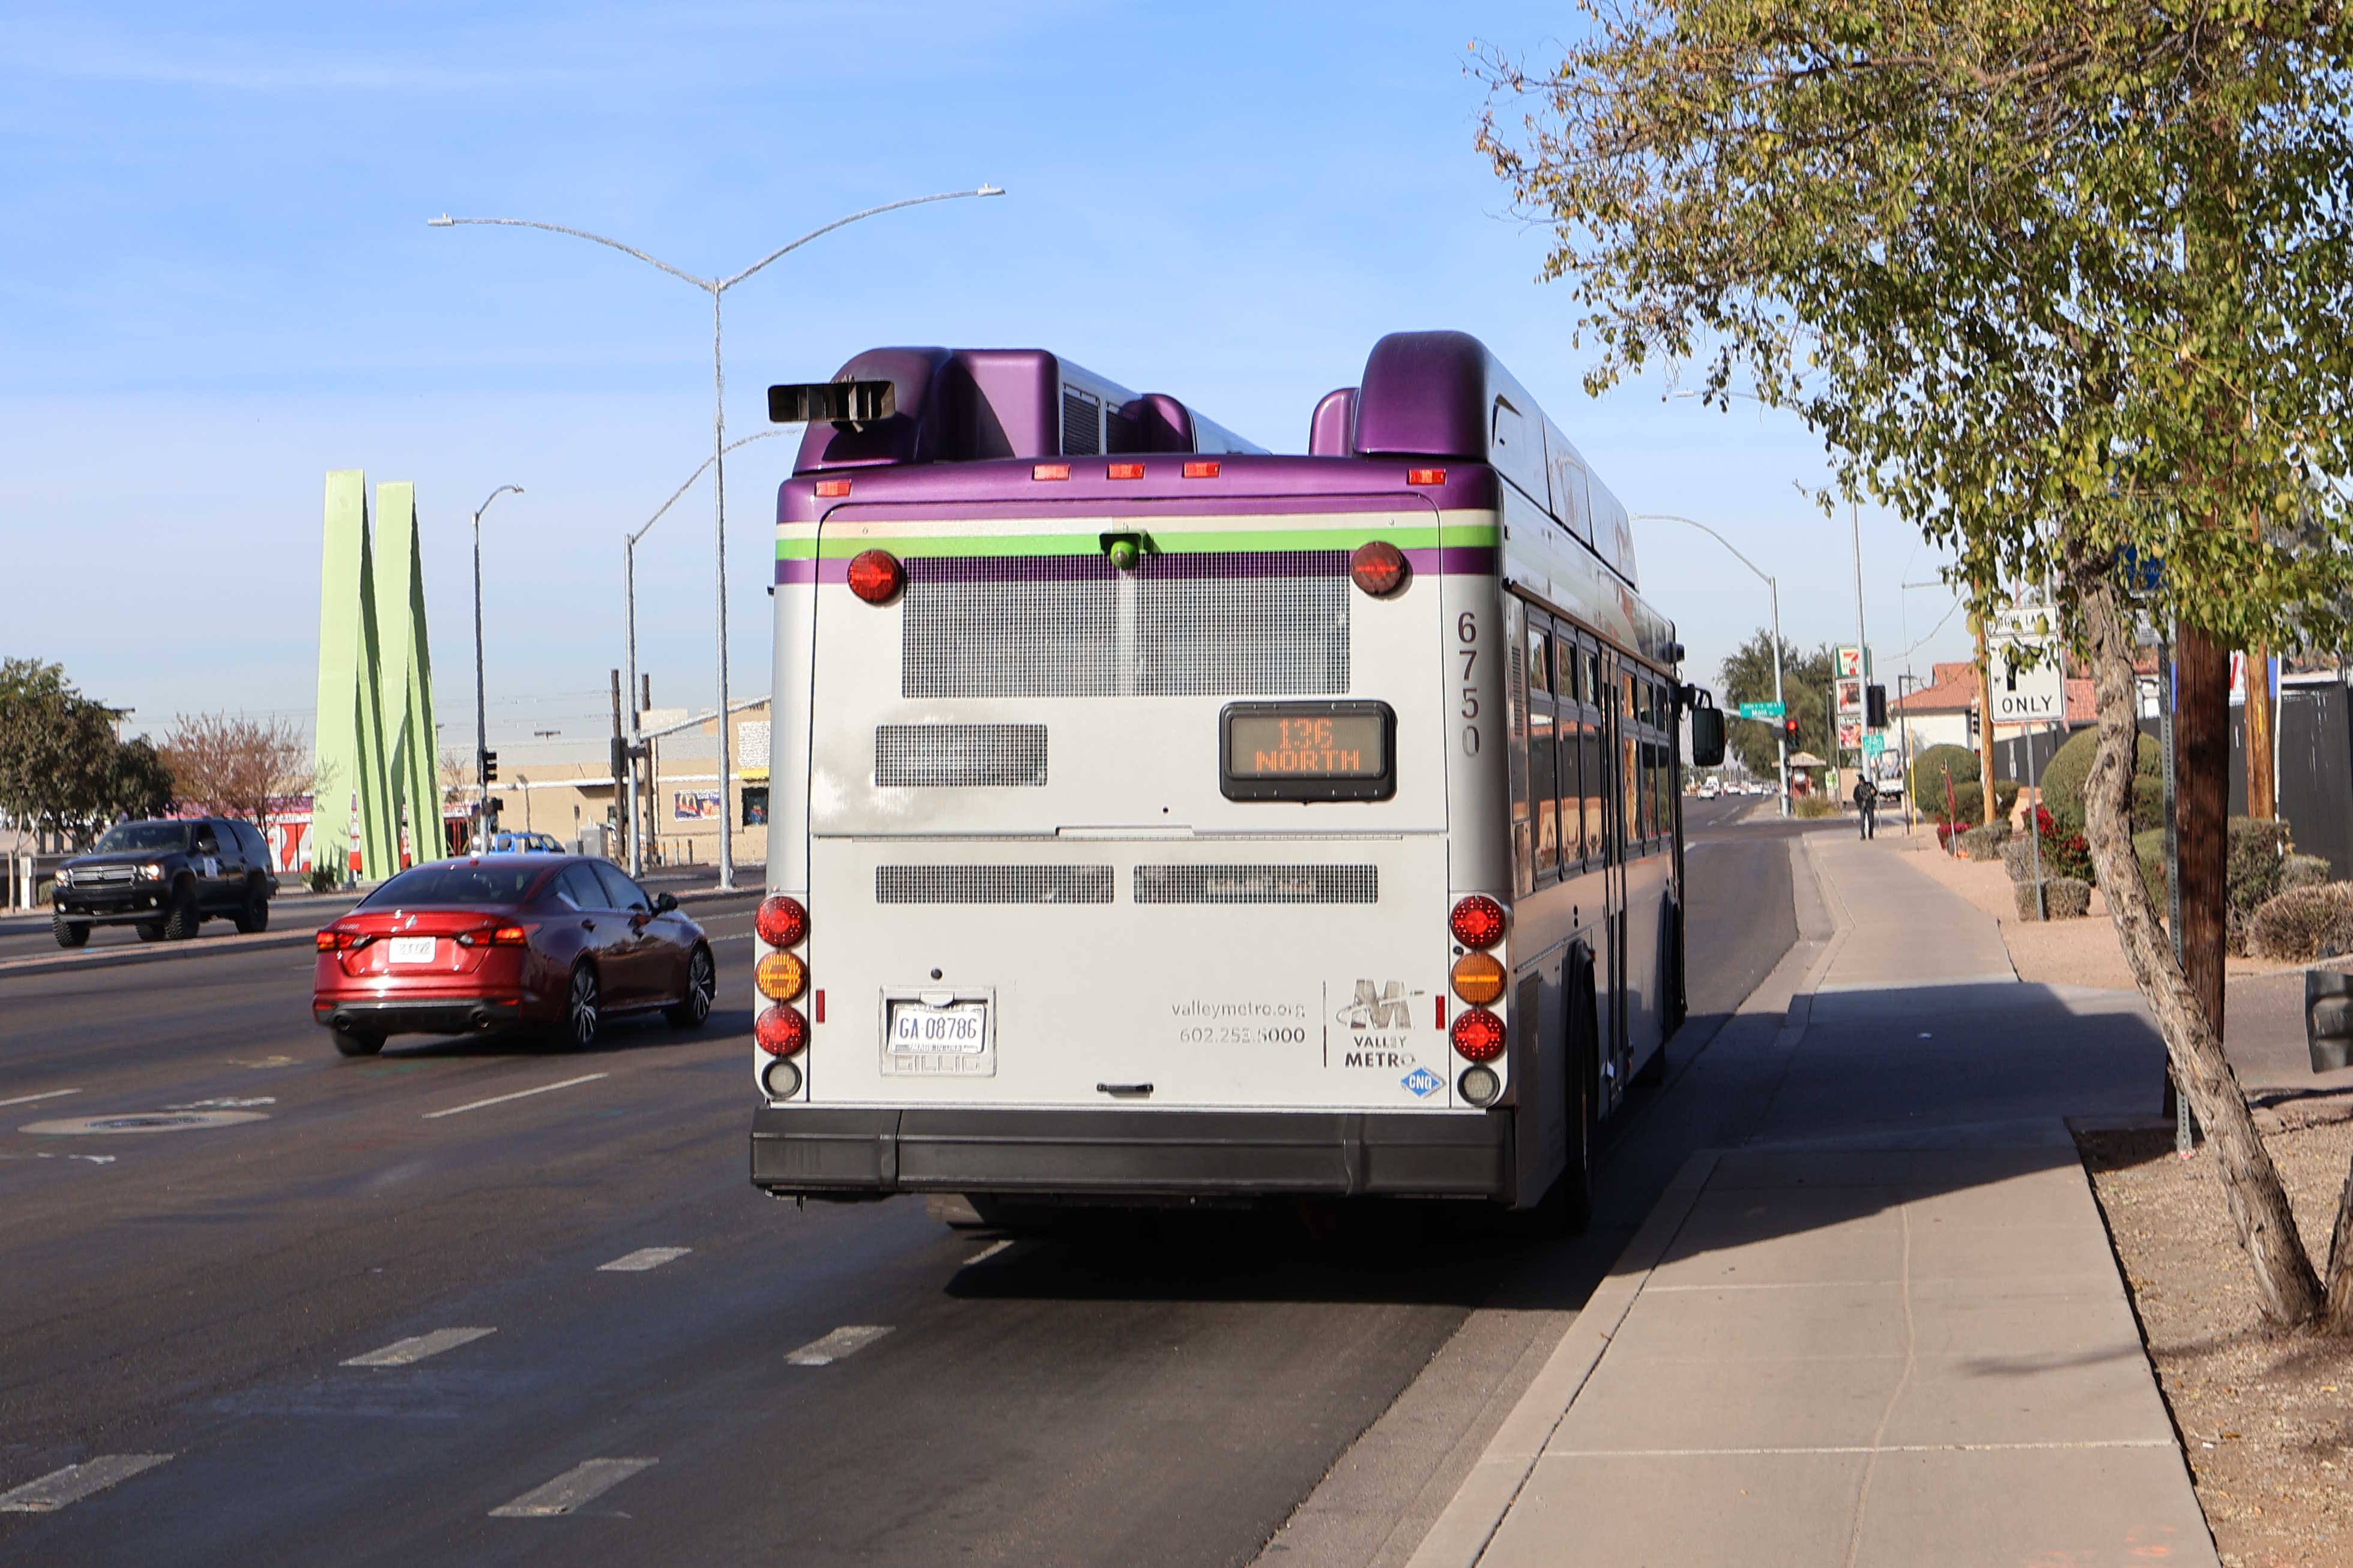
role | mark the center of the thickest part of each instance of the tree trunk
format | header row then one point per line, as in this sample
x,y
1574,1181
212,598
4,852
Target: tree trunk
x,y
1985,720
2201,793
2290,1290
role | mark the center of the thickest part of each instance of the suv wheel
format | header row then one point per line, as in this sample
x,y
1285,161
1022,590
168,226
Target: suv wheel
x,y
253,915
150,930
701,989
70,933
182,921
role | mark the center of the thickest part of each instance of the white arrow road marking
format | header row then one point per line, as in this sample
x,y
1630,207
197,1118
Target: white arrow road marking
x,y
643,1258
846,1340
28,1099
519,1094
580,1484
408,1352
75,1482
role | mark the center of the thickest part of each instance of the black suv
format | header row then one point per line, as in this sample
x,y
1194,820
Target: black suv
x,y
166,879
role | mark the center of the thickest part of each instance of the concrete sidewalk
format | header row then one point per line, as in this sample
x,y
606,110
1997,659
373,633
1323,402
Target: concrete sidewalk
x,y
1888,1329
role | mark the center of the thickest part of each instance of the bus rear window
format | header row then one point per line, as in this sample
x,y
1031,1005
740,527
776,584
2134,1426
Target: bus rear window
x,y
1307,751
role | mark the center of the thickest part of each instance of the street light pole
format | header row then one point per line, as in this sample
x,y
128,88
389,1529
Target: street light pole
x,y
1773,591
481,720
629,616
716,288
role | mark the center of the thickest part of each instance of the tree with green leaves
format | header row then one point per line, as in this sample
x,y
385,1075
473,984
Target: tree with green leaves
x,y
61,767
2062,284
1746,676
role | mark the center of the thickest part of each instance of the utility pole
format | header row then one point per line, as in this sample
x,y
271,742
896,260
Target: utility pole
x,y
622,764
1984,715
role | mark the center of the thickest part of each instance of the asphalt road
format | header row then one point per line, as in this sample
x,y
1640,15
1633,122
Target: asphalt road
x,y
1167,1395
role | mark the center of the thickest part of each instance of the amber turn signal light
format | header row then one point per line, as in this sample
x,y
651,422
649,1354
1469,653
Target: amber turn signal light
x,y
1478,978
780,976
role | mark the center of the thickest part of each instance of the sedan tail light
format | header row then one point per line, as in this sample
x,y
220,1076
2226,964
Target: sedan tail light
x,y
495,936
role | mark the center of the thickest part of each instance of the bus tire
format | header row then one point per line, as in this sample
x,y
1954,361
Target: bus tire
x,y
1568,1206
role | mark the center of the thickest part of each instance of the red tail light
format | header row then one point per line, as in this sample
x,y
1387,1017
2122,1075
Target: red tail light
x,y
781,922
1477,922
326,940
1425,476
1200,471
832,487
495,936
781,1031
876,576
1124,471
342,940
1050,472
1379,568
1478,1035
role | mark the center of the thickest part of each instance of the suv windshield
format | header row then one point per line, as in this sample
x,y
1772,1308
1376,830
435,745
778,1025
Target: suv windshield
x,y
130,836
457,882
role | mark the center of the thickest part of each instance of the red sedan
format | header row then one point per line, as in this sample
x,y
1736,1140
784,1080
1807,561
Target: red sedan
x,y
503,942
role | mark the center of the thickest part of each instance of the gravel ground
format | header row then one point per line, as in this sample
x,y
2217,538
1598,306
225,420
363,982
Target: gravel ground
x,y
2265,1418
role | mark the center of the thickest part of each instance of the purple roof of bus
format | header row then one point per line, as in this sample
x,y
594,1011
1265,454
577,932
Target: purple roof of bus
x,y
1440,396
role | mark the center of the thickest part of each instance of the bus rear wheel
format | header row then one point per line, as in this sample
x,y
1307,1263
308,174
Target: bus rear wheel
x,y
1567,1207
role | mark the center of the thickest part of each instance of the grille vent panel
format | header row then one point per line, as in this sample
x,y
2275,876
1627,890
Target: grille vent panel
x,y
1081,423
968,756
1273,624
1258,884
1009,626
992,884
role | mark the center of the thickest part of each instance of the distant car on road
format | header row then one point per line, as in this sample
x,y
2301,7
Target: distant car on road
x,y
523,844
1709,789
508,941
166,878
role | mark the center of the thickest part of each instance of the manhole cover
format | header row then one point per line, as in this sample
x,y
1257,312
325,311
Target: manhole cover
x,y
144,1121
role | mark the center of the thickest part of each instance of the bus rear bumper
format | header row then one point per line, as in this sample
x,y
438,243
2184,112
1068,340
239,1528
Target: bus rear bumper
x,y
816,1152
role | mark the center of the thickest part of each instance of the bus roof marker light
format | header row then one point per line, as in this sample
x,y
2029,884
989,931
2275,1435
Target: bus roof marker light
x,y
832,489
1200,471
1477,1036
1477,921
1379,568
1124,471
876,576
1425,476
1050,470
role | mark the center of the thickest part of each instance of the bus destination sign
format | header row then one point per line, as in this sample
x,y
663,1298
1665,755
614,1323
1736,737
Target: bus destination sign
x,y
1308,751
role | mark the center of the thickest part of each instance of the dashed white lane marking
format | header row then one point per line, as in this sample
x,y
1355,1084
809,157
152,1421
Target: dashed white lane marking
x,y
405,1353
847,1340
985,1253
643,1258
28,1099
75,1482
519,1094
576,1486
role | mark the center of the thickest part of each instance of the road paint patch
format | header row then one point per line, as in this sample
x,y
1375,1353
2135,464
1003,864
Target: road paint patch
x,y
226,1104
142,1122
263,1061
50,1094
846,1340
417,1347
643,1258
582,1483
985,1253
75,1482
519,1094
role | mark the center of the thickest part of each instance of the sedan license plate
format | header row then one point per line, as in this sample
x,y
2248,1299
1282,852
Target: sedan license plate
x,y
412,949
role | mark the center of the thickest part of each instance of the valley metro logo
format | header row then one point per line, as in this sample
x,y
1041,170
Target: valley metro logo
x,y
1388,1009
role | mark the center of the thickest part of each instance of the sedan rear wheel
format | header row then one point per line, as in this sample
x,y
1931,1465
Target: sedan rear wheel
x,y
701,989
580,1012
358,1042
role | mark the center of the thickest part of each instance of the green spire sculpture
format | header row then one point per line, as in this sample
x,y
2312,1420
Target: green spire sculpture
x,y
351,771
412,750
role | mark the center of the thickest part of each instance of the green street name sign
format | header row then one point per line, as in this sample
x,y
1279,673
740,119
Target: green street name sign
x,y
1761,710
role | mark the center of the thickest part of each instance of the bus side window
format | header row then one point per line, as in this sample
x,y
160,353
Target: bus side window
x,y
1566,730
1515,705
1542,771
1667,750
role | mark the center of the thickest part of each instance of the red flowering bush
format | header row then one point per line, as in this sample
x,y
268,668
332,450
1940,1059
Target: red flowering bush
x,y
2063,854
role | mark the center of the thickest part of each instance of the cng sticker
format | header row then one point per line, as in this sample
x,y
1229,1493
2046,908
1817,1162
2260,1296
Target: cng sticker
x,y
1423,1082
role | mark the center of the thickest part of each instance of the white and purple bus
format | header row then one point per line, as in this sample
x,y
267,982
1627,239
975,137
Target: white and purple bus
x,y
1166,820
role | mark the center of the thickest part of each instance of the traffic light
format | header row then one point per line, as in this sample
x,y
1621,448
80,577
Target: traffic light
x,y
1973,725
489,766
1789,731
1874,707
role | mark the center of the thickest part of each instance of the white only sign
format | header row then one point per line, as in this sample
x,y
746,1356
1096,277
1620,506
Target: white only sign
x,y
2027,696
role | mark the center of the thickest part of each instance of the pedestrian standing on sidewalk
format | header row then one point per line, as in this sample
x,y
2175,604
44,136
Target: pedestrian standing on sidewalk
x,y
1866,804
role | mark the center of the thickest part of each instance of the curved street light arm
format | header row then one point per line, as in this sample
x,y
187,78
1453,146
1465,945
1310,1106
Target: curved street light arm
x,y
707,284
1737,555
722,284
701,468
494,496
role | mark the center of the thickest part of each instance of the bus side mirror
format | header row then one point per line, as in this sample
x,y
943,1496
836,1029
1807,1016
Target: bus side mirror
x,y
1707,735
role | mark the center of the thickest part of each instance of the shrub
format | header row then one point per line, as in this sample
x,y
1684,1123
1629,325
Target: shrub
x,y
2063,782
2304,923
1933,767
2251,873
1969,800
2067,898
2148,849
2303,872
1815,805
2018,859
1985,842
322,880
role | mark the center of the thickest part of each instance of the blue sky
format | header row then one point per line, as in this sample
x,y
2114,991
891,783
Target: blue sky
x,y
218,283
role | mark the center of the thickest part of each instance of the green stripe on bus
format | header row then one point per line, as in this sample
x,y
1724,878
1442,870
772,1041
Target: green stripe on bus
x,y
1424,537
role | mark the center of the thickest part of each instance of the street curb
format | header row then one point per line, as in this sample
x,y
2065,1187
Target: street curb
x,y
115,958
1463,1530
